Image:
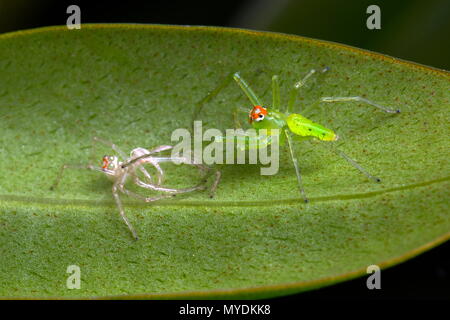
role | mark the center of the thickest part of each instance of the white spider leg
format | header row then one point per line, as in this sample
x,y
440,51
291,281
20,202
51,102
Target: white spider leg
x,y
140,166
70,166
146,174
159,170
155,162
142,184
213,189
142,198
207,173
148,179
118,185
160,149
111,145
141,156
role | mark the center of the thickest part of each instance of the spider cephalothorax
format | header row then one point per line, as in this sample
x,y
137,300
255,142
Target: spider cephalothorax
x,y
257,114
110,163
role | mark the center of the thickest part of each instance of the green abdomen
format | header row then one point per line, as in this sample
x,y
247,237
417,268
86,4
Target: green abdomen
x,y
306,128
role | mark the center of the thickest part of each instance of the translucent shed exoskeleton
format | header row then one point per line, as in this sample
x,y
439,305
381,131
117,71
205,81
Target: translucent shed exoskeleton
x,y
120,168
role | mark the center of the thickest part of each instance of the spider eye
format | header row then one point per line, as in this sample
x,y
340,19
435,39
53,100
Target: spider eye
x,y
105,162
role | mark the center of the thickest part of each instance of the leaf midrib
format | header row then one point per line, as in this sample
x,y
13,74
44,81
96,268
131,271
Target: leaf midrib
x,y
218,203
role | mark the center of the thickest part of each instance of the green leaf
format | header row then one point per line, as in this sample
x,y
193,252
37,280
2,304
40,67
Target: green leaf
x,y
134,85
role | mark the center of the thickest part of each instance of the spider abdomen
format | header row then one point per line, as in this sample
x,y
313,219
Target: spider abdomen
x,y
304,127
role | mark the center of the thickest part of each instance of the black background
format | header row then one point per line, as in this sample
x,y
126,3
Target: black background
x,y
415,30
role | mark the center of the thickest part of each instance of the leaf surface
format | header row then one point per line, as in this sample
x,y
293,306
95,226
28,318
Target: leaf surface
x,y
136,84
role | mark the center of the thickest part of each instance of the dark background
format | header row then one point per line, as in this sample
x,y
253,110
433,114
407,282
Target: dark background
x,y
415,30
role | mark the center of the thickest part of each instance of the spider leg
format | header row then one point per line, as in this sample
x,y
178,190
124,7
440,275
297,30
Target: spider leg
x,y
237,122
215,184
146,174
297,86
119,186
276,101
70,166
218,174
199,105
142,198
247,90
359,99
207,172
144,155
141,156
296,166
172,191
352,162
239,80
159,170
158,187
185,160
111,145
245,140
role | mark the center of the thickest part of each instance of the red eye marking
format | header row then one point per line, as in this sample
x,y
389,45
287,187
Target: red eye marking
x,y
257,114
105,162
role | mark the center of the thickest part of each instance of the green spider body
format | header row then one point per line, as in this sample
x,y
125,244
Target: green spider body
x,y
290,125
304,127
295,123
